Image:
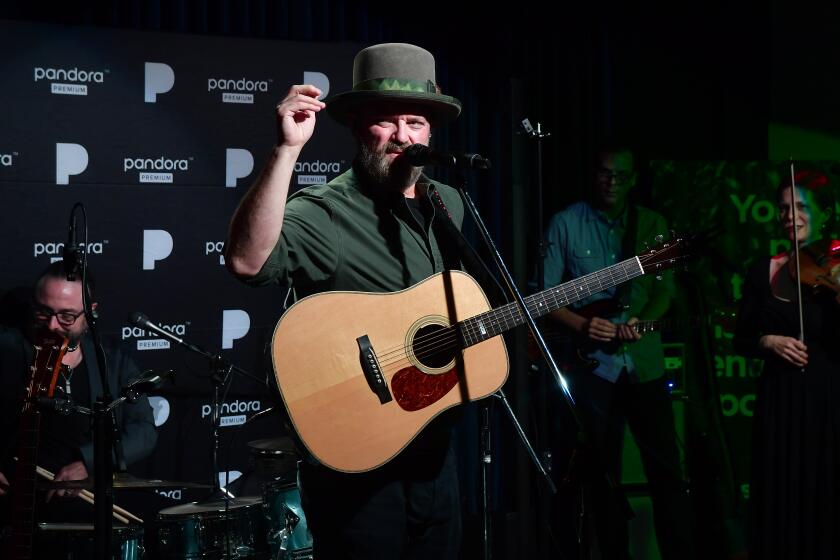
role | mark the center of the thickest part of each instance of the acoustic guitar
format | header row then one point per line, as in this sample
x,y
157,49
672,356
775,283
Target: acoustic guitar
x,y
361,374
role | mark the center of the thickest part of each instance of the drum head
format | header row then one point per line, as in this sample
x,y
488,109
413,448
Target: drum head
x,y
273,447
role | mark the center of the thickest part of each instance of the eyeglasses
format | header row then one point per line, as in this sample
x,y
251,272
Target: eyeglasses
x,y
64,318
605,174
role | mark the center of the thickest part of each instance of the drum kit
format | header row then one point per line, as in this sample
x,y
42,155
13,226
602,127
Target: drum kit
x,y
264,521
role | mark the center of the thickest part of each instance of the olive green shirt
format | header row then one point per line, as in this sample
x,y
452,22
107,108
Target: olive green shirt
x,y
346,236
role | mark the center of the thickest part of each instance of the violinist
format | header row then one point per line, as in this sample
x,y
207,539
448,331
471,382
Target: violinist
x,y
795,480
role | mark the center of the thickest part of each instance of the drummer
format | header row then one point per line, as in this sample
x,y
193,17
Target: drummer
x,y
66,441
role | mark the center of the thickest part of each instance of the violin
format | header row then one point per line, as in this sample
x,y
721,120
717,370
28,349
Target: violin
x,y
819,267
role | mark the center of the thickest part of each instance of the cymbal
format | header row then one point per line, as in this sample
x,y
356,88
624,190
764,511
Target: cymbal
x,y
211,506
274,446
140,483
121,482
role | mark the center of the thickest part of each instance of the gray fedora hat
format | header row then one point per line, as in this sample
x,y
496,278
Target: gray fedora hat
x,y
393,71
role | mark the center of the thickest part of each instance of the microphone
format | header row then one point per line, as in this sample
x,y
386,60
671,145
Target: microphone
x,y
61,406
144,384
71,251
64,407
141,320
419,155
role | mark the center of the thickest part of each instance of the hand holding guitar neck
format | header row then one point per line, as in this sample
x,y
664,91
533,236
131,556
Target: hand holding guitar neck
x,y
598,329
627,332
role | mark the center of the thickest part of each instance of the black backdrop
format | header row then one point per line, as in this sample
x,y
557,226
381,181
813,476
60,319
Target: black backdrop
x,y
680,81
158,135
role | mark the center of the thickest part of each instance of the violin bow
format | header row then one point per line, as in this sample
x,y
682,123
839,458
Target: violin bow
x,y
796,255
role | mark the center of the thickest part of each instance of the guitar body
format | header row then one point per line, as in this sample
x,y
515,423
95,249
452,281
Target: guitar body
x,y
579,359
569,348
574,349
318,363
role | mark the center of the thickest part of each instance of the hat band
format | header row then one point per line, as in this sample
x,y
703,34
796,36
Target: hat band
x,y
396,84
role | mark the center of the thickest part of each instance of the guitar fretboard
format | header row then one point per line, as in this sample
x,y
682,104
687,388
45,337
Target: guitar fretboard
x,y
496,321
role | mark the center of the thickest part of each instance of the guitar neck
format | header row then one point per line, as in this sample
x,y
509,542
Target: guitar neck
x,y
20,540
652,325
49,349
666,325
496,321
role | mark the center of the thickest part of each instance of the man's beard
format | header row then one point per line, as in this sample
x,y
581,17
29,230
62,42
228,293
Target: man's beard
x,y
396,175
73,336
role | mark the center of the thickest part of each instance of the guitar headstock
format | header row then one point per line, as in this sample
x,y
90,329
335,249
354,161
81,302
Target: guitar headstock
x,y
49,350
666,254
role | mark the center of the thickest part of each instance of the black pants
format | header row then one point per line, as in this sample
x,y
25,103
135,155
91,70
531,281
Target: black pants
x,y
406,509
604,408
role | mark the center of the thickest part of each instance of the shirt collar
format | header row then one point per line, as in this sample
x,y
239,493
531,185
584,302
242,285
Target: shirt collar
x,y
594,214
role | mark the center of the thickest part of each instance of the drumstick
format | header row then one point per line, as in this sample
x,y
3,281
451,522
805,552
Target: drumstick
x,y
119,513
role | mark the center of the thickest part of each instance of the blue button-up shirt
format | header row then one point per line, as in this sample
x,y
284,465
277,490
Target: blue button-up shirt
x,y
582,240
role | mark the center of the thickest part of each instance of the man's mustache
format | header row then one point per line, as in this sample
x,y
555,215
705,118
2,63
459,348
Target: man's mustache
x,y
394,147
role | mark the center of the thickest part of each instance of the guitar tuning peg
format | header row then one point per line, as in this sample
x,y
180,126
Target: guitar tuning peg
x,y
659,238
658,276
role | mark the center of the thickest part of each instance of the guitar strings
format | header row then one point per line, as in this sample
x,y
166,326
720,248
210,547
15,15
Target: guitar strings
x,y
427,345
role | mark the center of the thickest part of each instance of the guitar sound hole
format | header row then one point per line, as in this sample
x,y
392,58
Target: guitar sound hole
x,y
434,346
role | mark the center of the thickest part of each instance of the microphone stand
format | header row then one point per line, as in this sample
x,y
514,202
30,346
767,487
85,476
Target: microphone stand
x,y
538,135
222,371
529,320
104,424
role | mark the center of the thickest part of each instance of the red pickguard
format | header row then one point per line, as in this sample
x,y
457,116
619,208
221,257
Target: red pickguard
x,y
415,390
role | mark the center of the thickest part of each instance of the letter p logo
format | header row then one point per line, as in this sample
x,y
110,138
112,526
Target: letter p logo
x,y
159,79
70,159
239,164
235,324
319,80
160,410
157,245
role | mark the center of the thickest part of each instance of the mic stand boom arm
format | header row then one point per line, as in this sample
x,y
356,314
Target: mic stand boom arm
x,y
222,370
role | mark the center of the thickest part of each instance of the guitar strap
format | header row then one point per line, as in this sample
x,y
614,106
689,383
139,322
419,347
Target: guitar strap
x,y
445,229
628,247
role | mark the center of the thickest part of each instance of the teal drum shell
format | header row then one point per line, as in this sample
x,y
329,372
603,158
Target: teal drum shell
x,y
288,534
232,529
75,541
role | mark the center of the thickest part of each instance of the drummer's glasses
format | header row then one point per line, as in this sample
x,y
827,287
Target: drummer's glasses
x,y
65,318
